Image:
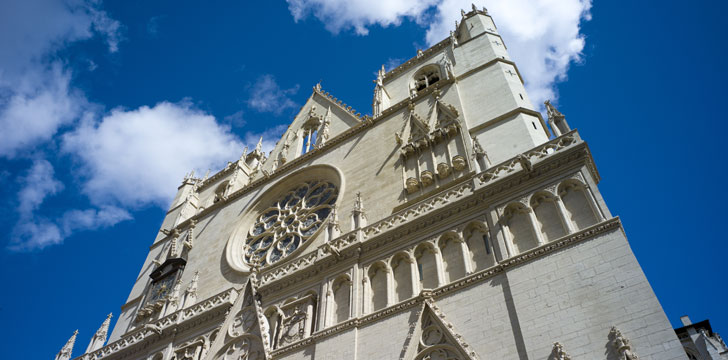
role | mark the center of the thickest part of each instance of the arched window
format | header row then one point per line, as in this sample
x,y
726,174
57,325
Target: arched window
x,y
519,225
342,296
427,266
427,76
378,281
402,268
479,245
574,196
452,257
547,215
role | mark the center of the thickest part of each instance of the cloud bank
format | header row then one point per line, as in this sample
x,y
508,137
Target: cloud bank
x,y
137,157
543,36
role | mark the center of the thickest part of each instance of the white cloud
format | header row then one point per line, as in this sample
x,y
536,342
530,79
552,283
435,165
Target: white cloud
x,y
134,158
340,15
36,98
36,109
38,183
91,219
543,36
267,96
34,231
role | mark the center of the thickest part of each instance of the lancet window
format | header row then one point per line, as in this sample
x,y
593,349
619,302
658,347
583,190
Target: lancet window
x,y
427,76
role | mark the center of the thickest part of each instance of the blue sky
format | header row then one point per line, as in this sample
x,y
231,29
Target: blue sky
x,y
104,106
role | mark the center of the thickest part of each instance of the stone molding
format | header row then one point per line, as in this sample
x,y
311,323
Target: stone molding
x,y
467,281
176,322
494,182
337,102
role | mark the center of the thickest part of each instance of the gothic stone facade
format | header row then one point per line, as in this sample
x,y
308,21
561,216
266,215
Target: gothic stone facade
x,y
449,225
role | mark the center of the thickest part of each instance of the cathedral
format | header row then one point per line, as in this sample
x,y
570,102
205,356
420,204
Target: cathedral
x,y
455,222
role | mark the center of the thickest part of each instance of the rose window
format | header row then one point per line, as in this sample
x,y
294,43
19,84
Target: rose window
x,y
289,222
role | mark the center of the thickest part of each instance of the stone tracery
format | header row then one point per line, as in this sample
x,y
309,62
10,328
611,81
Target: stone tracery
x,y
281,228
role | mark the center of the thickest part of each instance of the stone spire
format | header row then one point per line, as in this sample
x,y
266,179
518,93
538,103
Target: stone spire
x,y
65,353
323,131
191,292
358,215
173,298
99,339
259,146
333,230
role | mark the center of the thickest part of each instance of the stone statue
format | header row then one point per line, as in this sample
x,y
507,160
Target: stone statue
x,y
622,345
453,39
557,120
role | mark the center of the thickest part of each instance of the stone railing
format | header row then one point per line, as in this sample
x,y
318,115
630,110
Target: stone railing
x,y
177,318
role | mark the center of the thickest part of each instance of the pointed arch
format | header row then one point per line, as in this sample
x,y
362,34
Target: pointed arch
x,y
520,227
378,274
428,266
581,212
548,215
403,268
341,290
480,246
453,250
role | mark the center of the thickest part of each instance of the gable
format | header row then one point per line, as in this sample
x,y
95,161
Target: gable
x,y
432,337
321,118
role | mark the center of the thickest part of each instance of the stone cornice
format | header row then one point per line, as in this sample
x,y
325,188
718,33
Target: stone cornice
x,y
180,320
509,114
426,54
467,281
482,188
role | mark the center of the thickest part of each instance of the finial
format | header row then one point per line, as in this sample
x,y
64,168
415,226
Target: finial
x,y
67,350
245,152
358,203
474,7
259,146
420,53
317,87
462,12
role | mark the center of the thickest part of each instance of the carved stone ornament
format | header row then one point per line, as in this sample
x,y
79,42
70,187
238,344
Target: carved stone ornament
x,y
558,353
192,350
427,178
412,185
289,222
459,163
443,170
297,320
242,349
622,345
243,323
434,338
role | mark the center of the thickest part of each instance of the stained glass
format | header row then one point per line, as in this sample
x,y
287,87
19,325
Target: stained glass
x,y
289,222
